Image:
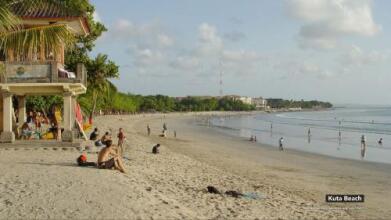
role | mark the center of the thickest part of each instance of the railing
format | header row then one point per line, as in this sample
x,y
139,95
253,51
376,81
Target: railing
x,y
40,72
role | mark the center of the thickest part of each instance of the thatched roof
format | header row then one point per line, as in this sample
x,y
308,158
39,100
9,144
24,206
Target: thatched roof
x,y
43,9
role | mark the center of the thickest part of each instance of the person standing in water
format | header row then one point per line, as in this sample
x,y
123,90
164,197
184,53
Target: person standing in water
x,y
309,135
380,142
280,142
339,137
363,146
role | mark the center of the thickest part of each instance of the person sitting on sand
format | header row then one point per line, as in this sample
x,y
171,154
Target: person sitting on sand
x,y
26,131
164,133
104,160
103,139
94,135
30,118
155,149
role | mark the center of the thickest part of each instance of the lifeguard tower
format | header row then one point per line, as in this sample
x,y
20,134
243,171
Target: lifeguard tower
x,y
41,72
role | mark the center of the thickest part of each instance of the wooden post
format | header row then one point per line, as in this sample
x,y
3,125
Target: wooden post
x,y
7,136
22,115
69,119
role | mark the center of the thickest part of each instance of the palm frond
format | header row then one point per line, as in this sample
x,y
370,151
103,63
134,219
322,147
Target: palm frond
x,y
8,21
25,41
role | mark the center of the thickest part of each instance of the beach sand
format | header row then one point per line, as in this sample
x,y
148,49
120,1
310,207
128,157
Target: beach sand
x,y
37,182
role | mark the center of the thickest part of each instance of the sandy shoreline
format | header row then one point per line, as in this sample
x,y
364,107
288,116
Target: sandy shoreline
x,y
46,184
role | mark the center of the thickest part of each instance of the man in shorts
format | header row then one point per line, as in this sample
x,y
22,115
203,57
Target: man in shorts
x,y
121,140
108,158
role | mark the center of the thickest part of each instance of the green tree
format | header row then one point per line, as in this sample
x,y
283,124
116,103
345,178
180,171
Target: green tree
x,y
99,70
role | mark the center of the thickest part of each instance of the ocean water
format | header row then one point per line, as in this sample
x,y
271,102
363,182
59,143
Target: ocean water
x,y
351,122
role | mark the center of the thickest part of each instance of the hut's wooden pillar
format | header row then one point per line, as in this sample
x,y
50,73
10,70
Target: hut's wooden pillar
x,y
22,115
69,118
7,136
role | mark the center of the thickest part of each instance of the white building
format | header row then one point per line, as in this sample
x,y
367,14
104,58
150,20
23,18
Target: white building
x,y
246,100
260,103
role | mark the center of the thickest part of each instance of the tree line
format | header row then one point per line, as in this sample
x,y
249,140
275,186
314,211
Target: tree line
x,y
281,103
130,103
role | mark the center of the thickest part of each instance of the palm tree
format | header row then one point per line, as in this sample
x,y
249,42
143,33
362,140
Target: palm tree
x,y
99,70
26,40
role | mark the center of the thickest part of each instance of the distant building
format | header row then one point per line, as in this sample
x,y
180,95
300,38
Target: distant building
x,y
244,99
260,103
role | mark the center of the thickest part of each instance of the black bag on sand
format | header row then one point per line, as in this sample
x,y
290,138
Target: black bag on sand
x,y
212,189
234,194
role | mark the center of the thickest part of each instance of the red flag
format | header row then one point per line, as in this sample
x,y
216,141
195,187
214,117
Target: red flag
x,y
79,115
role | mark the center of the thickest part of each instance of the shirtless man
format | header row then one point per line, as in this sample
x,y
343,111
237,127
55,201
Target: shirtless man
x,y
108,158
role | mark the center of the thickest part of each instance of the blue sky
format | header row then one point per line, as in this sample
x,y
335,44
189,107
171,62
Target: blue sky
x,y
332,50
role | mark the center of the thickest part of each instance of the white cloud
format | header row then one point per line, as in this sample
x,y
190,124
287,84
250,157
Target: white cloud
x,y
326,21
186,63
210,41
145,35
164,40
295,69
154,52
240,55
357,57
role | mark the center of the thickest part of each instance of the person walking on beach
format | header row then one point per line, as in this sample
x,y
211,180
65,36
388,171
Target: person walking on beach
x,y
148,130
174,134
363,146
309,135
280,142
164,126
121,140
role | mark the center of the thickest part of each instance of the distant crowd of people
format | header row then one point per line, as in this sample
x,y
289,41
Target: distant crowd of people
x,y
39,126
